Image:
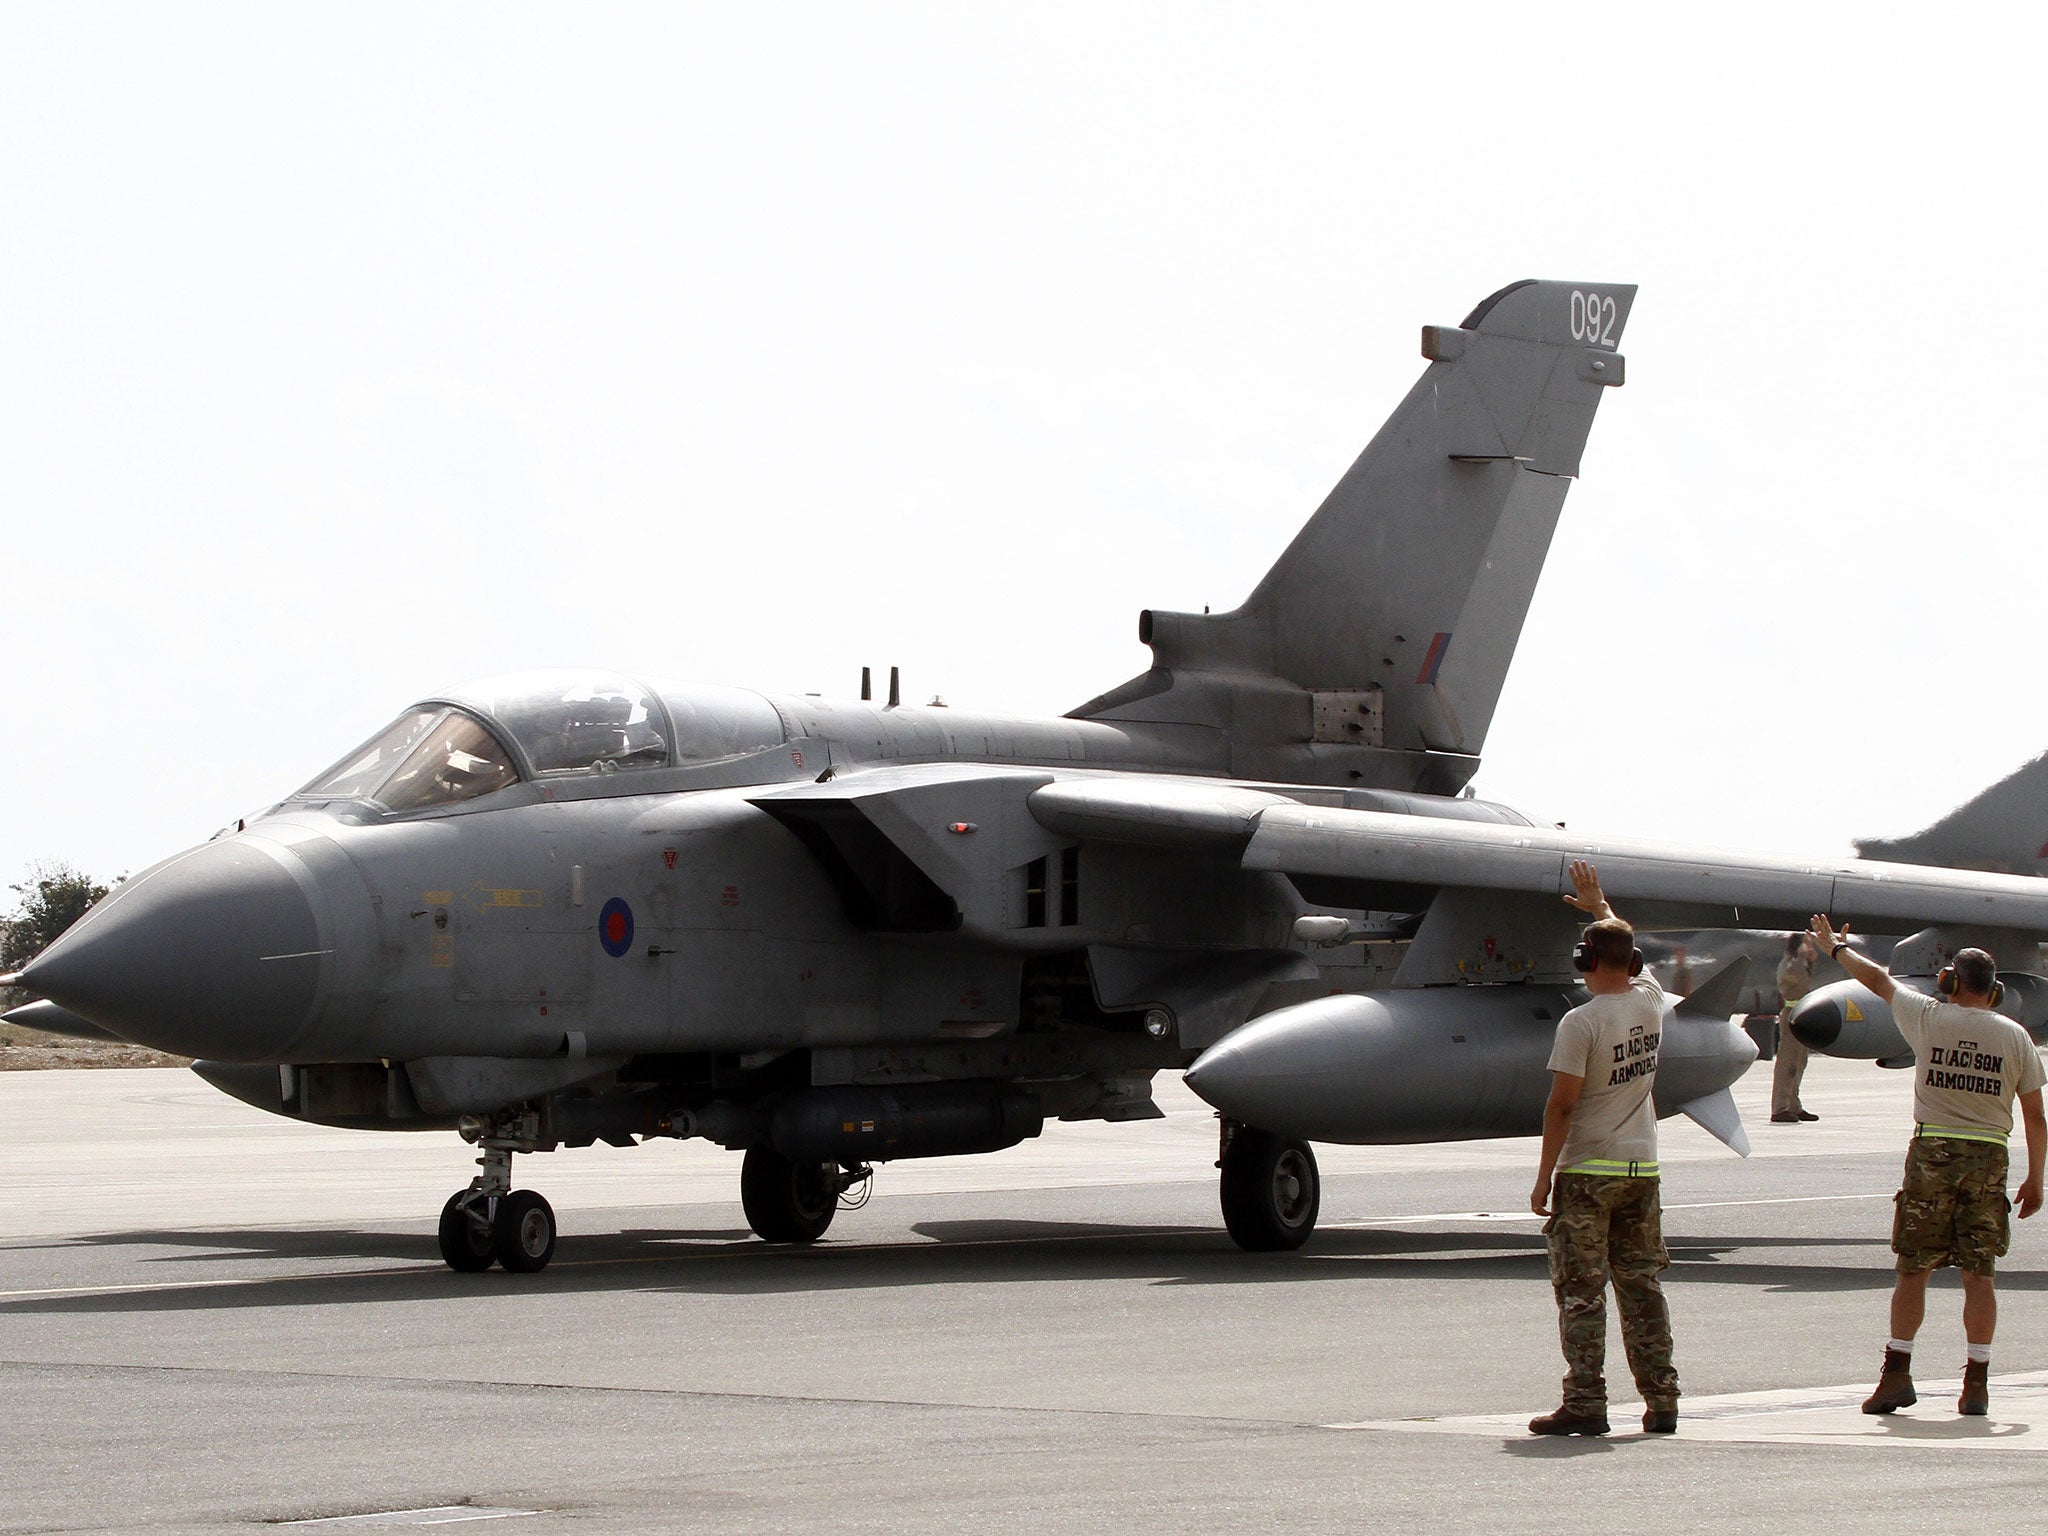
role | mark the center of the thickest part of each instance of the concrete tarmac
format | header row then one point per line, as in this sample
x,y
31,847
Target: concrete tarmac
x,y
213,1320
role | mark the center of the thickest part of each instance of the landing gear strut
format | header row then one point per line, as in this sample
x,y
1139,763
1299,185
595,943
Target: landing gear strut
x,y
791,1202
1271,1189
491,1222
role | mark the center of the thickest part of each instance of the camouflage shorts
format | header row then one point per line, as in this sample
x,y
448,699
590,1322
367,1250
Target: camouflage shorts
x,y
1953,1208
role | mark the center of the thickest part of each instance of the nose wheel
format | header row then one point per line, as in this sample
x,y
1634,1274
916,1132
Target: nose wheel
x,y
515,1231
468,1236
523,1236
492,1223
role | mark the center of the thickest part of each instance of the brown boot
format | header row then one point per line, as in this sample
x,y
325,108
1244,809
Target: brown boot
x,y
1566,1422
1976,1398
1894,1385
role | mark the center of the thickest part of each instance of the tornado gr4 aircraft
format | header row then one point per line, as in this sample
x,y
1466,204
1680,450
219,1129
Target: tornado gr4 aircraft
x,y
553,909
2000,829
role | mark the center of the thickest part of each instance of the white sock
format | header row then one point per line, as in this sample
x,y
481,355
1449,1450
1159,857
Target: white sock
x,y
1903,1346
1979,1354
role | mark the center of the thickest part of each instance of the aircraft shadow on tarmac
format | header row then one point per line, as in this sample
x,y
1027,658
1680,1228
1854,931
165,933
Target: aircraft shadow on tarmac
x,y
722,1261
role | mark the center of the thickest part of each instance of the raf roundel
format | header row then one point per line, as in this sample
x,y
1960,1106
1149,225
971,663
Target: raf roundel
x,y
615,928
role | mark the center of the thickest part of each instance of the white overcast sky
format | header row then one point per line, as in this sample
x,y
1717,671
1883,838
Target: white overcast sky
x,y
348,352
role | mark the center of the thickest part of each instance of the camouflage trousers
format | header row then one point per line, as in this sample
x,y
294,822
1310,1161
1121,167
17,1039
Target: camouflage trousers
x,y
1610,1229
1788,1066
1952,1208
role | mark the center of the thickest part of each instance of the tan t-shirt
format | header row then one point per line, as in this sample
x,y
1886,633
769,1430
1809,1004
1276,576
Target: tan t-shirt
x,y
1970,1064
1611,1042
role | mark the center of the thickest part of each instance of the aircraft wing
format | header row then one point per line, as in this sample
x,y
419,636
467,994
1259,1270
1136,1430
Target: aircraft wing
x,y
1386,861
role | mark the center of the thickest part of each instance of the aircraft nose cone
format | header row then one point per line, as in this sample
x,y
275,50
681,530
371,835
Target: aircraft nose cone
x,y
1817,1023
213,953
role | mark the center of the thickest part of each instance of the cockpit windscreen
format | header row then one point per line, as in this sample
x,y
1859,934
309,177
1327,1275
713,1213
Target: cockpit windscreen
x,y
432,756
357,776
459,760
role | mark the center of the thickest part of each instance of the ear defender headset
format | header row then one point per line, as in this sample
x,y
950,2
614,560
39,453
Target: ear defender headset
x,y
1947,982
1584,960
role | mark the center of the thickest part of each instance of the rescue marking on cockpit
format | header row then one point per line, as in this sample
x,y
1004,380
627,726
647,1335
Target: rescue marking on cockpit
x,y
668,858
615,927
483,897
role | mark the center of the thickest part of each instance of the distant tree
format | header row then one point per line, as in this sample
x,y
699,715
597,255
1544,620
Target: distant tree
x,y
51,899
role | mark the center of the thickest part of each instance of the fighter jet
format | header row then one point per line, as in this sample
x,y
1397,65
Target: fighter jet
x,y
1999,829
551,909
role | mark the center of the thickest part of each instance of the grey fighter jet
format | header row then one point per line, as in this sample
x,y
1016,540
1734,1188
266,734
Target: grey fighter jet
x,y
2000,829
553,909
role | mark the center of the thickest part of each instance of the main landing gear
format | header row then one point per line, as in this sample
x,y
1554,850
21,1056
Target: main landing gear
x,y
794,1202
491,1222
1271,1188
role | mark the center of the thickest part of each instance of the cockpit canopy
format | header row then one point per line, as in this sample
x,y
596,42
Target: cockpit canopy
x,y
573,721
544,725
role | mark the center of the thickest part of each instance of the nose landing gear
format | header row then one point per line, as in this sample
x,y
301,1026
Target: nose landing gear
x,y
491,1222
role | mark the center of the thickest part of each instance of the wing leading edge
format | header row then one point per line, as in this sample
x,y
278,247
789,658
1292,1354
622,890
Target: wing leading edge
x,y
1390,861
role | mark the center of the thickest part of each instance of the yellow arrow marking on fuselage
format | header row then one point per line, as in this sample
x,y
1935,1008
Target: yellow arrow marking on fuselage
x,y
484,897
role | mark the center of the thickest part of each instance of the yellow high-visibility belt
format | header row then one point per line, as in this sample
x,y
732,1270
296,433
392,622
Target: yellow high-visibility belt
x,y
1958,1133
1607,1168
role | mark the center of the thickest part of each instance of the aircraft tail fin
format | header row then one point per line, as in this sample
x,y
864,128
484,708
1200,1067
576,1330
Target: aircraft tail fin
x,y
1374,650
2002,830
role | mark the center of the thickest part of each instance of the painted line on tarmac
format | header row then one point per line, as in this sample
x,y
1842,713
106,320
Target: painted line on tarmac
x,y
1696,1205
203,1285
1711,1205
744,1247
1807,1416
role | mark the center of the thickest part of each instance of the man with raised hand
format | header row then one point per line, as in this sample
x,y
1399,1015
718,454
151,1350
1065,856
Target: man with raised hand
x,y
1970,1065
1597,1180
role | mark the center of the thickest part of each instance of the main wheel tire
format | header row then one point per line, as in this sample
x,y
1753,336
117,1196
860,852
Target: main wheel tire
x,y
787,1202
466,1245
523,1232
1271,1191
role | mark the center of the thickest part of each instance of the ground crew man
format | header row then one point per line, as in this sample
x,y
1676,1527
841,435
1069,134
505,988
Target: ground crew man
x,y
1788,1064
1969,1066
1600,1147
